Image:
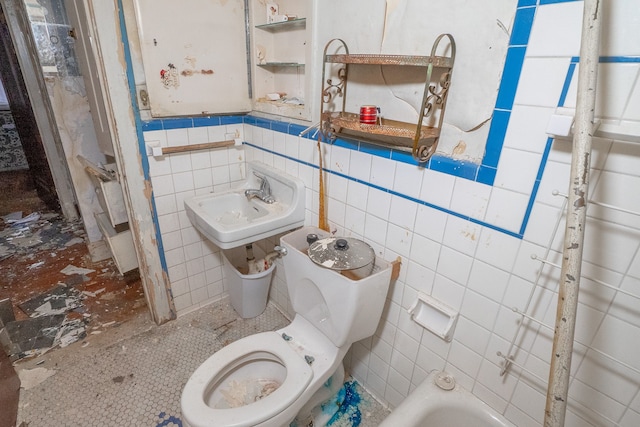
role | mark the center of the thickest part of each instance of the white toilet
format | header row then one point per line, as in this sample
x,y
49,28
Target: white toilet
x,y
267,378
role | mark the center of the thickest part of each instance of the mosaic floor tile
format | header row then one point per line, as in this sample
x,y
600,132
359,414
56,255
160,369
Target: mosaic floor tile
x,y
138,379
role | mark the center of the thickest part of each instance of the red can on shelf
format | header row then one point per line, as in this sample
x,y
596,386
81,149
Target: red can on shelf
x,y
369,114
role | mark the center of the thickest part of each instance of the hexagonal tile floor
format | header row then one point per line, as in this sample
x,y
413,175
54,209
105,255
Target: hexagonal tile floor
x,y
133,375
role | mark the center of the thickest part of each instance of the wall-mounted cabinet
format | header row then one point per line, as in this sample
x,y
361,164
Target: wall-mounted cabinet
x,y
419,138
195,56
280,57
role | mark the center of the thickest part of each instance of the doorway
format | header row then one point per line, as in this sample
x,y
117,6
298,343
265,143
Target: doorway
x,y
47,255
25,175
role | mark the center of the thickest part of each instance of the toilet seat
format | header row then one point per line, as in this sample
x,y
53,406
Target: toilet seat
x,y
268,345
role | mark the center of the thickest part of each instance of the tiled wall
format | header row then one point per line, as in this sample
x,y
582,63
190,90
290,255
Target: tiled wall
x,y
194,264
466,234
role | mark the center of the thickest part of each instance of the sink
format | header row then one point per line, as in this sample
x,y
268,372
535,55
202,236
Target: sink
x,y
229,219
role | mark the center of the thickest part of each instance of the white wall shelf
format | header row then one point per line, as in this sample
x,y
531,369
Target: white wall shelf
x,y
284,25
280,64
280,51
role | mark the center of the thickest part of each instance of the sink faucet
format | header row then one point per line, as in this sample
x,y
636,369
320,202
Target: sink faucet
x,y
264,193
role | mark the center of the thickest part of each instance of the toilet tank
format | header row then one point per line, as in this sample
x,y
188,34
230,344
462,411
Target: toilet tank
x,y
343,309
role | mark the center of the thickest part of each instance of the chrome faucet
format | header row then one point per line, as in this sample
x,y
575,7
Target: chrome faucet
x,y
264,193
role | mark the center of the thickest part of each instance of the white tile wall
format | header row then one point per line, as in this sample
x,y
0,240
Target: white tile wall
x,y
545,78
194,264
556,30
472,266
484,272
523,132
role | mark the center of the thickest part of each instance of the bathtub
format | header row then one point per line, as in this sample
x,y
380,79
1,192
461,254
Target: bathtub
x,y
433,406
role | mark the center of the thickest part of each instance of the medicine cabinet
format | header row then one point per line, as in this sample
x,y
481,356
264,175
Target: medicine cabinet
x,y
281,57
222,58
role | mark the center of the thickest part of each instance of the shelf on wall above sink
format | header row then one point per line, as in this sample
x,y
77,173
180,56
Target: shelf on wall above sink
x,y
420,138
281,64
284,25
401,60
389,133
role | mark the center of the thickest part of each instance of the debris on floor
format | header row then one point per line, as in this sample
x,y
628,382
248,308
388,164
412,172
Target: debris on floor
x,y
24,336
94,386
58,300
351,406
51,292
47,327
30,378
70,270
48,231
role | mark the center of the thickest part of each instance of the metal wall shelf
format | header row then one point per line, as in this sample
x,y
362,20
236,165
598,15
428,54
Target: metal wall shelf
x,y
402,60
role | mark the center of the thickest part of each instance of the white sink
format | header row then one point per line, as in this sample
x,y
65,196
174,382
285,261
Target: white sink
x,y
230,219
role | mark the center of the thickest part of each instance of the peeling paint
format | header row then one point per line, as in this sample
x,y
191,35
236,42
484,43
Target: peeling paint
x,y
190,60
460,148
188,73
148,191
169,76
129,158
77,134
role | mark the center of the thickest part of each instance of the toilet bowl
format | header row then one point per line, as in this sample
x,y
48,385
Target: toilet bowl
x,y
267,378
291,370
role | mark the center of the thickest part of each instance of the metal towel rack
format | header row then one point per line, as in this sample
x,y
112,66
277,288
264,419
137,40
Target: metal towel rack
x,y
509,356
156,150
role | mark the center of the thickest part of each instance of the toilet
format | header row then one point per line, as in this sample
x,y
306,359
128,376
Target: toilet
x,y
266,379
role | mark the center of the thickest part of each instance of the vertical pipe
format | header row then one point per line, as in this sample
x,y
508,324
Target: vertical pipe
x,y
576,217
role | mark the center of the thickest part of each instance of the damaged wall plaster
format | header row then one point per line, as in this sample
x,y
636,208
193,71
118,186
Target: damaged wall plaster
x,y
75,126
128,157
67,95
410,27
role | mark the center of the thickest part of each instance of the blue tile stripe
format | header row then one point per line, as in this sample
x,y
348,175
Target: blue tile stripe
x,y
495,140
612,59
546,2
390,191
510,77
522,25
567,83
547,150
536,186
139,131
190,122
484,173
